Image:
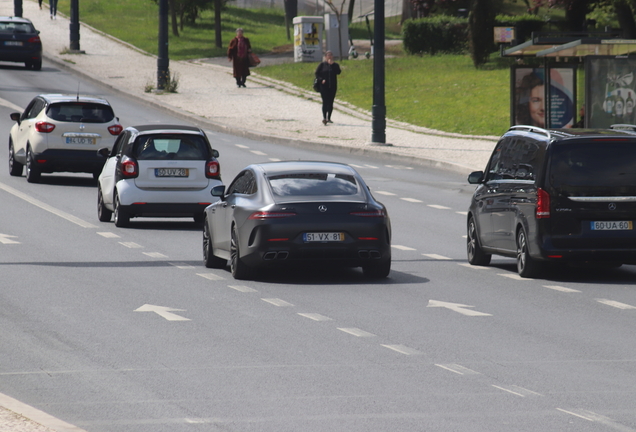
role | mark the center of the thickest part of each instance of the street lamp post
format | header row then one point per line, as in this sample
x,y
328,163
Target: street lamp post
x,y
163,73
378,111
17,8
74,27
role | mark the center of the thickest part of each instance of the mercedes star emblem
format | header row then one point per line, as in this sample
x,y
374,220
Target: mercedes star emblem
x,y
322,208
612,206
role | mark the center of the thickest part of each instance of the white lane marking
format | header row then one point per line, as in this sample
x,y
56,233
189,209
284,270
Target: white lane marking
x,y
457,307
437,257
211,276
402,349
356,332
155,255
562,289
615,304
108,234
163,311
131,245
37,416
356,166
399,167
507,390
458,369
370,166
474,267
597,418
242,146
385,193
277,302
4,239
463,213
10,105
182,266
44,206
258,152
439,207
315,316
413,200
404,248
242,288
514,276
274,159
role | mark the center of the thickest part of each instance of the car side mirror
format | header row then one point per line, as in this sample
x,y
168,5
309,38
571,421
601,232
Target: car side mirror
x,y
476,177
215,153
218,191
103,152
15,117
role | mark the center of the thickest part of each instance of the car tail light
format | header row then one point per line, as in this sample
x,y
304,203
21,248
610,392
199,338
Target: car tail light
x,y
543,204
367,238
44,127
213,169
115,129
34,39
270,215
129,167
368,213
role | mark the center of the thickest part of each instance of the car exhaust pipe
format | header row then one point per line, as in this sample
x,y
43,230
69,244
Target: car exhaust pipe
x,y
282,255
269,256
374,254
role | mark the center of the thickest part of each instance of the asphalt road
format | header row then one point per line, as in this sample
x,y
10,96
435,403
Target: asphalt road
x,y
439,346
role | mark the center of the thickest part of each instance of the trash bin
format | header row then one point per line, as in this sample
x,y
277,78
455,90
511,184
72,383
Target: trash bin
x,y
308,38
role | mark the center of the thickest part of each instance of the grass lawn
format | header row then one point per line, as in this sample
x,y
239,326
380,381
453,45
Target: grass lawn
x,y
439,92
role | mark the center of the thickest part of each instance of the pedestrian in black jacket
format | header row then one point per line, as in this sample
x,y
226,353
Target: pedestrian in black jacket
x,y
327,73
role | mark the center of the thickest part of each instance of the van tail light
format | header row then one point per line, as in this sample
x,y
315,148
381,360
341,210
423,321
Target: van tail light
x,y
115,129
543,204
128,167
262,215
213,169
44,127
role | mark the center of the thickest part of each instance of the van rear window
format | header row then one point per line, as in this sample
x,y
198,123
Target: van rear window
x,y
594,169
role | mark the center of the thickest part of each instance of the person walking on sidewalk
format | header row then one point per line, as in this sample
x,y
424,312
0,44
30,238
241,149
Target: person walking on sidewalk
x,y
53,8
40,3
237,53
327,74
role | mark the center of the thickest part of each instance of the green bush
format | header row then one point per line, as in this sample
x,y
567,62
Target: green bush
x,y
438,34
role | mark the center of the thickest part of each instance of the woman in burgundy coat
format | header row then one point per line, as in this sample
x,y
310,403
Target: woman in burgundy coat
x,y
237,53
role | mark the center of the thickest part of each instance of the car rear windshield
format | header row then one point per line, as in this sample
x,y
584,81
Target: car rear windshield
x,y
597,168
14,27
314,184
171,147
80,112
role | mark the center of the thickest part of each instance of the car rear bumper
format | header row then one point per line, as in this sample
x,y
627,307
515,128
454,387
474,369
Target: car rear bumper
x,y
144,209
20,55
84,161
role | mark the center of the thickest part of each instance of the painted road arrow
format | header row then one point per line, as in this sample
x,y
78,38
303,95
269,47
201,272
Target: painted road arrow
x,y
163,311
456,307
4,239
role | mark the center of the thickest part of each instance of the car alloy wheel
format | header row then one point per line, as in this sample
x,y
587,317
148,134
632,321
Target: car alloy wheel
x,y
209,259
237,267
527,267
103,214
476,255
32,173
15,167
121,217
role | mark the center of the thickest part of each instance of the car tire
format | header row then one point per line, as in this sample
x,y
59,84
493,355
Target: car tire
x,y
121,217
199,218
476,255
15,167
239,270
377,271
209,259
527,267
103,214
37,65
32,173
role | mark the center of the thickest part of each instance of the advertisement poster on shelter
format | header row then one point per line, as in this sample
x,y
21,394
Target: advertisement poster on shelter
x,y
609,93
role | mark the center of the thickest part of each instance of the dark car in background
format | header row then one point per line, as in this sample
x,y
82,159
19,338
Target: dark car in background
x,y
20,42
286,214
559,196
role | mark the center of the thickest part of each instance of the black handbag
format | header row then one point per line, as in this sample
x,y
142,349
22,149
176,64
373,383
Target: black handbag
x,y
316,84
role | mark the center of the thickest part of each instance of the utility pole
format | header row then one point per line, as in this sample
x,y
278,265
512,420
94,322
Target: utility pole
x,y
163,73
17,8
378,111
74,27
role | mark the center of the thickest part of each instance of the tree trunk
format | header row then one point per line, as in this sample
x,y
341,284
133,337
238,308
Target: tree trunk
x,y
625,19
351,4
407,10
173,16
217,22
575,15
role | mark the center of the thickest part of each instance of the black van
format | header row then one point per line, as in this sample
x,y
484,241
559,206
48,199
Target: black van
x,y
559,195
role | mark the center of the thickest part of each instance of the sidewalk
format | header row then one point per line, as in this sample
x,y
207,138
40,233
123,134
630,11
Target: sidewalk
x,y
267,110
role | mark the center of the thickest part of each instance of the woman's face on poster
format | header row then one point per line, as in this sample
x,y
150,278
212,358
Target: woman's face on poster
x,y
537,106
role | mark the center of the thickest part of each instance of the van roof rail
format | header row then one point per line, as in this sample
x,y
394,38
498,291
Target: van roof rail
x,y
532,129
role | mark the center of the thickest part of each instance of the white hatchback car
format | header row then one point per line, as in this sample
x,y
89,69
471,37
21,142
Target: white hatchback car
x,y
58,133
157,171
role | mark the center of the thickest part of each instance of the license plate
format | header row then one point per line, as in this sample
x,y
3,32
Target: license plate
x,y
80,140
324,237
171,172
13,43
611,225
